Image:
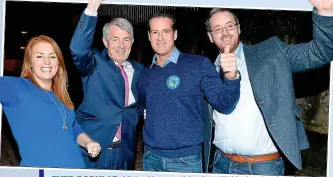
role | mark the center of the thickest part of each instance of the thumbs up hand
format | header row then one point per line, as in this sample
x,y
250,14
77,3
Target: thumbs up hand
x,y
229,63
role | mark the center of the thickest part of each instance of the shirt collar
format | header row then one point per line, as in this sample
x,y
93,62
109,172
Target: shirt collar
x,y
238,52
172,58
126,64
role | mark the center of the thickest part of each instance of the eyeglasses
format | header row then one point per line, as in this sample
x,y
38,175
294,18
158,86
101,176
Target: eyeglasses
x,y
228,27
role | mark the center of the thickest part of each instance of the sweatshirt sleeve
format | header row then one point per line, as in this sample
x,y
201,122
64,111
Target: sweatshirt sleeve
x,y
7,90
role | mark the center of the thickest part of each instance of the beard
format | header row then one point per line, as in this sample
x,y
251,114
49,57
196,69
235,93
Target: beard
x,y
233,47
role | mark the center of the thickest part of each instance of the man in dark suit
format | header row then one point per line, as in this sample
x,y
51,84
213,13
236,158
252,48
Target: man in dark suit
x,y
108,113
266,124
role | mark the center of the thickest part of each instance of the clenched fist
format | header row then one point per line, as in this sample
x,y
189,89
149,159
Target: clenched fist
x,y
229,63
93,148
93,5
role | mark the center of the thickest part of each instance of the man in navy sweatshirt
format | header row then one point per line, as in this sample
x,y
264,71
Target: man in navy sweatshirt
x,y
173,90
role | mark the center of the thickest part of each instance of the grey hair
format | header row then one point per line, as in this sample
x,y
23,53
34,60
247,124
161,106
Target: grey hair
x,y
215,11
121,23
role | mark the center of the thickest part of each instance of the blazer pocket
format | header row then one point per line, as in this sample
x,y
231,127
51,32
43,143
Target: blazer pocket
x,y
88,118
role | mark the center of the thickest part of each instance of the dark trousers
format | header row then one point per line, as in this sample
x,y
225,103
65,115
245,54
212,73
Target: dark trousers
x,y
112,159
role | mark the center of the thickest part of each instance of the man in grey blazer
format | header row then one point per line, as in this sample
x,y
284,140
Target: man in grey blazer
x,y
266,124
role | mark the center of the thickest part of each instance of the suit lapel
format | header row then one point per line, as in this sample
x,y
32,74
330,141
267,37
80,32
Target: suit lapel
x,y
250,62
254,68
115,73
110,62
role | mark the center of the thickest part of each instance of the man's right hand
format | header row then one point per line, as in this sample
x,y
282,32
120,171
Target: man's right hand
x,y
229,63
93,5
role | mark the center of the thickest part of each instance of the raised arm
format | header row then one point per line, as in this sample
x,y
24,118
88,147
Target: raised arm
x,y
319,51
222,95
8,89
81,44
3,95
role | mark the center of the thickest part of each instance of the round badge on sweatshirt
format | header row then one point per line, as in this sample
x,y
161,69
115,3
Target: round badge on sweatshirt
x,y
173,82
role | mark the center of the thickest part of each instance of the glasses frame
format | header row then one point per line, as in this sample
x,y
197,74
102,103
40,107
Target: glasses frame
x,y
224,27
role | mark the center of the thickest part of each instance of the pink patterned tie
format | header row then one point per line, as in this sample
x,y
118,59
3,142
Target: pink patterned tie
x,y
121,67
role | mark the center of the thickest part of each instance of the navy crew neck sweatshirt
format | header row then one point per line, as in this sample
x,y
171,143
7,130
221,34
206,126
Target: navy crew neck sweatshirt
x,y
173,97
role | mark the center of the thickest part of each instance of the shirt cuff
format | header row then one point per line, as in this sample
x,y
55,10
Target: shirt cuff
x,y
90,13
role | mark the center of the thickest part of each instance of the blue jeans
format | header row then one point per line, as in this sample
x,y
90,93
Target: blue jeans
x,y
154,162
224,165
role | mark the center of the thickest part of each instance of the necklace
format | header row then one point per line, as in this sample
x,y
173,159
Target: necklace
x,y
63,114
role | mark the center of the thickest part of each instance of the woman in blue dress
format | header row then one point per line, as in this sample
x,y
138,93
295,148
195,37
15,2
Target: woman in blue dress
x,y
40,111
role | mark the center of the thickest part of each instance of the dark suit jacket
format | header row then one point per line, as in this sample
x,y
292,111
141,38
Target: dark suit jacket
x,y
102,108
271,65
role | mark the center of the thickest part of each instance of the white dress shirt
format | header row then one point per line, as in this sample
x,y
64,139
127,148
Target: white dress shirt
x,y
242,132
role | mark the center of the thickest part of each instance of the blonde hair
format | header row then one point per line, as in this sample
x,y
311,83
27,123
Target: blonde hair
x,y
60,80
